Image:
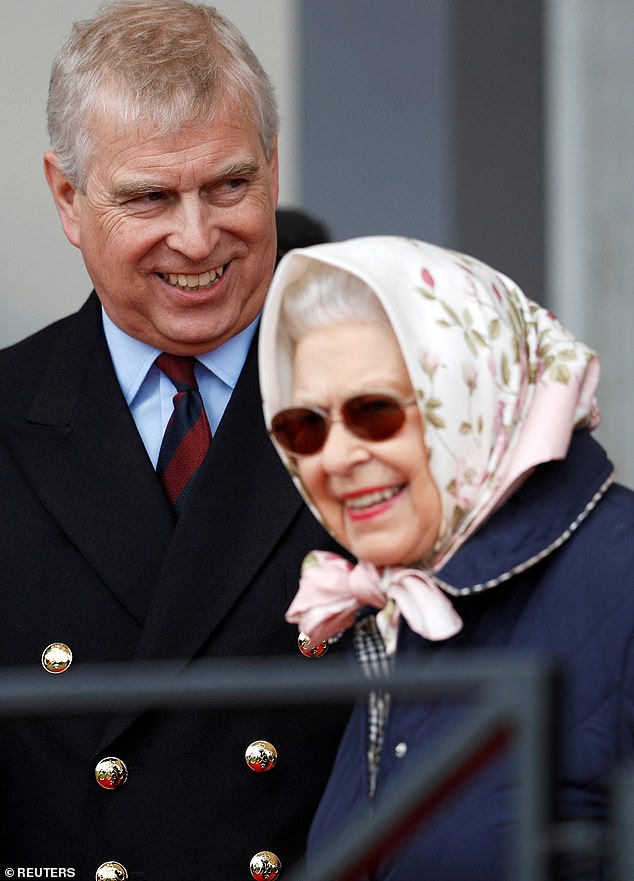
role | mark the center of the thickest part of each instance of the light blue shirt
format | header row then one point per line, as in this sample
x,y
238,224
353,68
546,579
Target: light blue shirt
x,y
148,392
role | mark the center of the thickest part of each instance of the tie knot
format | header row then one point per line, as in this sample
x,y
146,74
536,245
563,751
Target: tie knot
x,y
180,369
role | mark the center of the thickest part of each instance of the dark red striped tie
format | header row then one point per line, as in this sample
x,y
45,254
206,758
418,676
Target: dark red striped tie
x,y
187,436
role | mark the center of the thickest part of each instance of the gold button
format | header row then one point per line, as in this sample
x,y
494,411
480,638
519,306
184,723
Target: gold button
x,y
111,871
261,756
57,657
311,651
111,772
265,866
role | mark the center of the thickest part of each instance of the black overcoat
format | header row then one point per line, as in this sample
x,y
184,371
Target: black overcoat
x,y
91,556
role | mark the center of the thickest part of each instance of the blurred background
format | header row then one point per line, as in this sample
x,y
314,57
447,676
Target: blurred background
x,y
503,128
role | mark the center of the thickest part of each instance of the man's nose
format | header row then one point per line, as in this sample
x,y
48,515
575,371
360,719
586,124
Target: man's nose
x,y
194,229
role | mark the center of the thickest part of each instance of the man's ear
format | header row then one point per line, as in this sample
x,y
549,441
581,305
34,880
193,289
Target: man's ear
x,y
66,196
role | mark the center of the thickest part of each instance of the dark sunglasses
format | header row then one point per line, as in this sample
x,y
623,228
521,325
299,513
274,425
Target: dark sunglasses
x,y
302,431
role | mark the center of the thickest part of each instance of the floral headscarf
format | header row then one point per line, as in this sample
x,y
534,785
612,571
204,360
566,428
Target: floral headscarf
x,y
501,385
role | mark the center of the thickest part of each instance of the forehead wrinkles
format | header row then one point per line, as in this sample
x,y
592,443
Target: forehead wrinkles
x,y
132,166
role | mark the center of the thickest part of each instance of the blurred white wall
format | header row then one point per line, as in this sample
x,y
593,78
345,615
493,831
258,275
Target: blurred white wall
x,y
43,277
590,197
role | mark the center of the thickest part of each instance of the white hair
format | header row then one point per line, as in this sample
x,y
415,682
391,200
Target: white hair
x,y
323,295
163,62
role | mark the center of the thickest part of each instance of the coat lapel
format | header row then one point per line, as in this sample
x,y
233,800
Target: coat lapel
x,y
83,456
241,506
243,502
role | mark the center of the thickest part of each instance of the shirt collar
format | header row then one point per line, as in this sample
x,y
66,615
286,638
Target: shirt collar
x,y
227,361
133,359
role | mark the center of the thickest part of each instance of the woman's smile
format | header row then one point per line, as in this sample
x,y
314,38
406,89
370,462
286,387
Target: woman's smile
x,y
365,504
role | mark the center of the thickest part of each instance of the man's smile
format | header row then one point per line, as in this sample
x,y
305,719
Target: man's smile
x,y
193,282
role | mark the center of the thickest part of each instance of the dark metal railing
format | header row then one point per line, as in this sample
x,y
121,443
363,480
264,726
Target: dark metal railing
x,y
511,705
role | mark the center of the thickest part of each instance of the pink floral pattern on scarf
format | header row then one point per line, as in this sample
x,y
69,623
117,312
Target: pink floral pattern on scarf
x,y
501,384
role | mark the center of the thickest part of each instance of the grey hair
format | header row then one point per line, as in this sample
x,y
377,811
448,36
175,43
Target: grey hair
x,y
163,62
323,295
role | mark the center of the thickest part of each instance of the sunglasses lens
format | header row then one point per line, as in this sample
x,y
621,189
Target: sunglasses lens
x,y
299,430
373,417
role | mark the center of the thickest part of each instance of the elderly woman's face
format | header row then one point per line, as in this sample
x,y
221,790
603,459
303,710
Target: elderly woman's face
x,y
377,497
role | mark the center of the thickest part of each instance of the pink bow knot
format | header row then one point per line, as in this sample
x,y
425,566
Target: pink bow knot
x,y
332,590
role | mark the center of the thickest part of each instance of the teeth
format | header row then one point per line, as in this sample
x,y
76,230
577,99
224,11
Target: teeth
x,y
194,282
372,498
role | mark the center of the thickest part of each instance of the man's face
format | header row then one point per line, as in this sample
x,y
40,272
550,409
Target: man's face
x,y
178,231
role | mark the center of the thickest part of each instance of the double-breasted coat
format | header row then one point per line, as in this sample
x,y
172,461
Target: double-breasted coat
x,y
91,556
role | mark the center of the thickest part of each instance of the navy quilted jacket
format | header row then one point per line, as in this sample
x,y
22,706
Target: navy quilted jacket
x,y
576,604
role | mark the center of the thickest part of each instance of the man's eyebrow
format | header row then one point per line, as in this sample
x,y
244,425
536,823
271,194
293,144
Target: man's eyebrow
x,y
248,168
130,189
